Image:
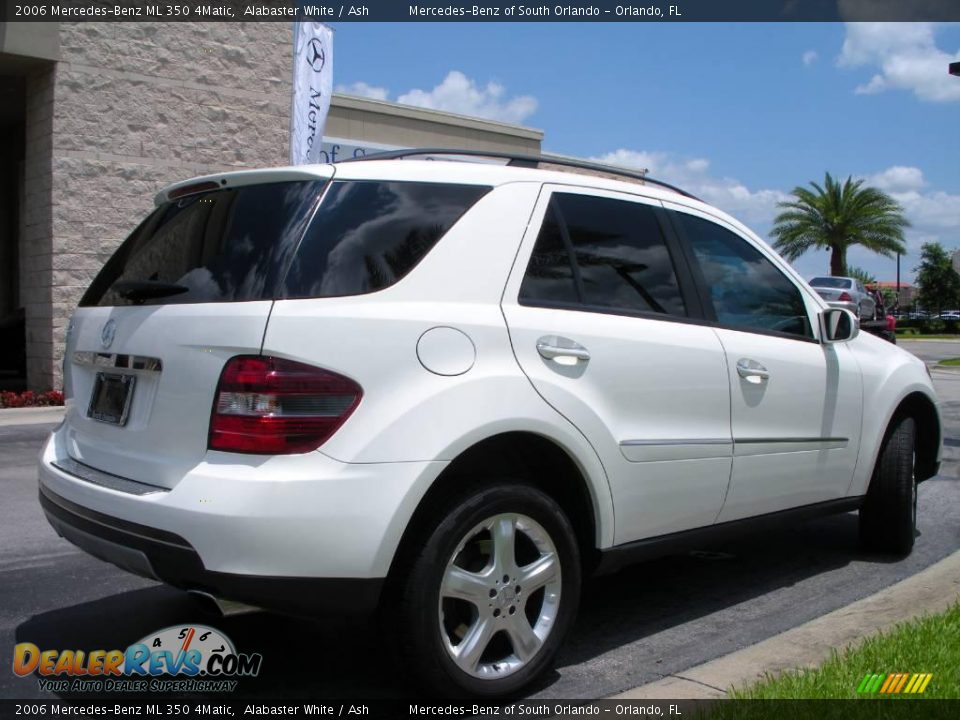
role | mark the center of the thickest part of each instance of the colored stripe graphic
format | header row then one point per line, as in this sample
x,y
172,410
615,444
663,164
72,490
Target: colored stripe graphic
x,y
886,683
895,683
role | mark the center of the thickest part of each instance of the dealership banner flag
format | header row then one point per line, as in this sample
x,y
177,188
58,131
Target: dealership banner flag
x,y
312,87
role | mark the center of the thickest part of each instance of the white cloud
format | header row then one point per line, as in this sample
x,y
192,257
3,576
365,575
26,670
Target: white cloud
x,y
897,179
755,207
460,94
362,89
907,57
810,57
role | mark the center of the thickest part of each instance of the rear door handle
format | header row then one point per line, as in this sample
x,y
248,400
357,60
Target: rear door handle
x,y
752,371
558,348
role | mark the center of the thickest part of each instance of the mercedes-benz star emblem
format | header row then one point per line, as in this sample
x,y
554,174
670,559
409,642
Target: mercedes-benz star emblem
x,y
315,55
108,333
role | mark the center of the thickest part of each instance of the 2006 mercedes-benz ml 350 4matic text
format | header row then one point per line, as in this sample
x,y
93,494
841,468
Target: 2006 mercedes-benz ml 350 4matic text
x,y
450,390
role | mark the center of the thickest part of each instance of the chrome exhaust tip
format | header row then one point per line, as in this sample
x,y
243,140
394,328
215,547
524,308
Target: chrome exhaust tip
x,y
221,607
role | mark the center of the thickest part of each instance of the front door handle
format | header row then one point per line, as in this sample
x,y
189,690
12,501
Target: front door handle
x,y
561,349
752,371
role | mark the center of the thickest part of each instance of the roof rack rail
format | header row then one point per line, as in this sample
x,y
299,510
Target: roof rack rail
x,y
520,160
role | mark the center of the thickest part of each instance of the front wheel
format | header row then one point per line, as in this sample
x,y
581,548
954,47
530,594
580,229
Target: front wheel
x,y
493,592
888,517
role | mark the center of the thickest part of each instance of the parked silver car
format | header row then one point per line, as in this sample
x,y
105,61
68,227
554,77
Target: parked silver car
x,y
847,293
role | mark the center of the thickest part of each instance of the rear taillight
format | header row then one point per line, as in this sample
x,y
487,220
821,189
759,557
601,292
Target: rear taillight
x,y
845,297
271,406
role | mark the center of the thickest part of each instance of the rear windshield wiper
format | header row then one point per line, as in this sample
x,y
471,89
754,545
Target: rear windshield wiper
x,y
147,289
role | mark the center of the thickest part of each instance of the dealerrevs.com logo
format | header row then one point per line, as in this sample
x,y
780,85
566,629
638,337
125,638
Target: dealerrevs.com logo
x,y
193,658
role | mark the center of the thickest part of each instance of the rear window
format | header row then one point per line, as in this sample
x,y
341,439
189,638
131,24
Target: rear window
x,y
368,235
259,242
224,246
831,282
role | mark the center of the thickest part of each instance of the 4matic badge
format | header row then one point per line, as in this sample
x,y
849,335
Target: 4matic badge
x,y
201,658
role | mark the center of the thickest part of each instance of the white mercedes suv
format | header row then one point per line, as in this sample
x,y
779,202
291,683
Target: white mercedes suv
x,y
452,390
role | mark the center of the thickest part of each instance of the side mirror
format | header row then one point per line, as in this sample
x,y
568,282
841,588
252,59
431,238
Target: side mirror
x,y
838,325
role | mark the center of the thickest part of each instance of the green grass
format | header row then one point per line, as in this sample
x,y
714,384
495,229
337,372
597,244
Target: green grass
x,y
951,362
930,644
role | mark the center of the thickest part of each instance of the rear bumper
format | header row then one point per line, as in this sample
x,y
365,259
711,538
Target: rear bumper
x,y
167,557
297,533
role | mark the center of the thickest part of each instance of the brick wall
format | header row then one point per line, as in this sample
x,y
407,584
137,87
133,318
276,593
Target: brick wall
x,y
128,109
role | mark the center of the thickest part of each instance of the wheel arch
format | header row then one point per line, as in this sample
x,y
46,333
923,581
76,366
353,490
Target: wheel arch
x,y
529,457
922,409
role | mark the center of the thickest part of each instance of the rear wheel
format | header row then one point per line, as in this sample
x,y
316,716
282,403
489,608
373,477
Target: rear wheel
x,y
491,595
888,517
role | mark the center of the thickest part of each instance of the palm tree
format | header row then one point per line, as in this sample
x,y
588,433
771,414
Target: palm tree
x,y
864,276
834,217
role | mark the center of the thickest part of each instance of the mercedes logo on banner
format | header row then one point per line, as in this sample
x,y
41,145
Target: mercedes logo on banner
x,y
315,55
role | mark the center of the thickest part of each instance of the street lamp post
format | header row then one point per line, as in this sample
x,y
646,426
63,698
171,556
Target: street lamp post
x,y
898,281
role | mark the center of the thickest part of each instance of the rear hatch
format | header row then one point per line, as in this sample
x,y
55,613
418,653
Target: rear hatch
x,y
191,287
195,286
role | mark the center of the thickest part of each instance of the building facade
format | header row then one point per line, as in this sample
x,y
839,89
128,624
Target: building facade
x,y
97,117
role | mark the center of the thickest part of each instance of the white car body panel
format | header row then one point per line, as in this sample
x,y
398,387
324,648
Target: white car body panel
x,y
166,434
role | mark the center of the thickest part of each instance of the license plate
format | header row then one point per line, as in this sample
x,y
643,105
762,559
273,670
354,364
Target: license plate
x,y
110,400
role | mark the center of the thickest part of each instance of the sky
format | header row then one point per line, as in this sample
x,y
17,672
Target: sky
x,y
739,115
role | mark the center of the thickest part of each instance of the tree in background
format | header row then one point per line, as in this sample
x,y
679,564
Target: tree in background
x,y
835,216
865,278
937,281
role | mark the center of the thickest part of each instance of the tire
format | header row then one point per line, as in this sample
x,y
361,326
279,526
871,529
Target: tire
x,y
517,627
888,517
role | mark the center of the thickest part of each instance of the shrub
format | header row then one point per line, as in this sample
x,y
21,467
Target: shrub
x,y
28,398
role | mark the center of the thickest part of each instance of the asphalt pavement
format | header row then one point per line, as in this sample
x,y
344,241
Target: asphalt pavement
x,y
645,622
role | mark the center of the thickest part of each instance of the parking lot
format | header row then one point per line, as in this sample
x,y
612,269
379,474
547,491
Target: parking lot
x,y
641,624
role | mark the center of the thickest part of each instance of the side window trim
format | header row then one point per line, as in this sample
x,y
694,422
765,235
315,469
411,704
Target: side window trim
x,y
696,272
553,208
684,266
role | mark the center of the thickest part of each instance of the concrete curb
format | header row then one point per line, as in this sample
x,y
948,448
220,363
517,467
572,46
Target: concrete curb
x,y
31,416
930,591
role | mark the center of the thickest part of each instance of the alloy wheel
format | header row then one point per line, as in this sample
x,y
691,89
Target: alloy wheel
x,y
499,596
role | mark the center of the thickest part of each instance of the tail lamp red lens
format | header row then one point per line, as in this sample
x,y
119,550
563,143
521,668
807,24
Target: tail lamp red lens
x,y
271,406
845,297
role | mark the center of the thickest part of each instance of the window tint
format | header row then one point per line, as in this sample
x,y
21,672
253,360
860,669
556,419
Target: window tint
x,y
621,257
221,246
748,291
549,276
368,235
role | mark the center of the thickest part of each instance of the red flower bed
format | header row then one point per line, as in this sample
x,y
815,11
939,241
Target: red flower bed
x,y
28,398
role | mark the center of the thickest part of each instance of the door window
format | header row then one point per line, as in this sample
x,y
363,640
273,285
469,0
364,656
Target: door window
x,y
602,254
748,291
